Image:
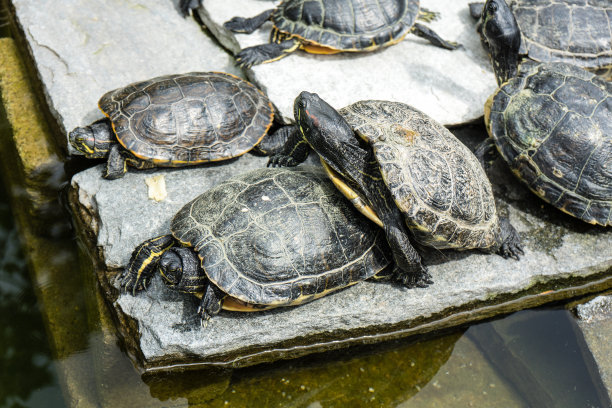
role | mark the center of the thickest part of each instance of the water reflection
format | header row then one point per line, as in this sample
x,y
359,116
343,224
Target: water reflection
x,y
27,375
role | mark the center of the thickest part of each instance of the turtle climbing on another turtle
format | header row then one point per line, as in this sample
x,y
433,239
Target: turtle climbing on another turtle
x,y
407,173
175,121
551,123
263,239
333,26
574,32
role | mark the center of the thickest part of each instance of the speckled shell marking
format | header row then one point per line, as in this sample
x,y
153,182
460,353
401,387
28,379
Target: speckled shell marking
x,y
190,118
578,32
435,180
347,25
280,237
553,125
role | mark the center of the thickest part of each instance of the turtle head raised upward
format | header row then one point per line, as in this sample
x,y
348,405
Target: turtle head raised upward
x,y
325,130
503,37
95,140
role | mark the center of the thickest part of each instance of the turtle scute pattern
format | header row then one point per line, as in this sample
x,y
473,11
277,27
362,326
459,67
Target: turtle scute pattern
x,y
188,118
347,25
435,180
280,237
577,32
553,125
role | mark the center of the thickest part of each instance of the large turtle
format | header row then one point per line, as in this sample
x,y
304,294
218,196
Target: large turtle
x,y
551,122
574,32
332,26
267,238
176,120
407,169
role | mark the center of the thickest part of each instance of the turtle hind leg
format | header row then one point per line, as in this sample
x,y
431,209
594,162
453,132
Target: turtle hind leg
x,y
261,54
486,152
427,33
187,6
408,269
511,246
248,25
427,15
210,304
143,263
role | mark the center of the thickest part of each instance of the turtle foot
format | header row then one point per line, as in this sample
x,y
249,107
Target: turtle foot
x,y
129,284
511,246
420,278
238,25
281,160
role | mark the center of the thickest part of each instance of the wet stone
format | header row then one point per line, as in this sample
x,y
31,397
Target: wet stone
x,y
162,331
83,48
450,86
595,322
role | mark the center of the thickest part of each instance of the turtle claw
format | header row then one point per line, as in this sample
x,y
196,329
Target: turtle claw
x,y
204,317
187,6
511,250
419,278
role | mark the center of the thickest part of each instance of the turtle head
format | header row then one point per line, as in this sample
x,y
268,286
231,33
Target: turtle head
x,y
502,35
95,140
320,124
177,265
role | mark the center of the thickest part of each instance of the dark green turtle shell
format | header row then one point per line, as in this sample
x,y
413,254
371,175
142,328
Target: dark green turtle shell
x,y
348,25
435,180
576,32
280,237
553,126
190,118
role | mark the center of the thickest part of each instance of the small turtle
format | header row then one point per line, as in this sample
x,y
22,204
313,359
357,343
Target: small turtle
x,y
333,26
176,120
551,122
575,32
409,171
262,239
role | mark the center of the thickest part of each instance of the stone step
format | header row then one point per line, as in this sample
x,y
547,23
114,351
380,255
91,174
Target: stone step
x,y
81,49
563,258
450,86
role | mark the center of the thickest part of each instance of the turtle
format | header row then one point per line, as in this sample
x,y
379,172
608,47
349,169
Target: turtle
x,y
550,122
407,173
333,26
574,32
267,238
176,120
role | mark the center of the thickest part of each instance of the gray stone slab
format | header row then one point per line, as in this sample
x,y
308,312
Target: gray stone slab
x,y
595,321
84,48
162,331
450,86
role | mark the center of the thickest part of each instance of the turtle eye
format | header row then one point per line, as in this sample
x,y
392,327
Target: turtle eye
x,y
492,7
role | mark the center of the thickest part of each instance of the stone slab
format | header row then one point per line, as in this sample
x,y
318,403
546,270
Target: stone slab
x,y
563,258
450,86
595,321
84,48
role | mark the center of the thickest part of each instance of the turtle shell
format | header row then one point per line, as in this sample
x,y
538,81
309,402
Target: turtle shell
x,y
191,118
552,124
435,180
348,25
280,237
575,32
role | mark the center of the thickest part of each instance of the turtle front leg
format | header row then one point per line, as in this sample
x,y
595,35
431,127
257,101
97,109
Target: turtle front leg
x,y
210,304
143,262
262,54
432,37
295,150
511,246
274,143
248,25
116,163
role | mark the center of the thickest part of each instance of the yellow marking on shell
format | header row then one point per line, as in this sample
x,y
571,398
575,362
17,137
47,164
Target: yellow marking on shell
x,y
487,112
409,135
557,172
320,50
349,193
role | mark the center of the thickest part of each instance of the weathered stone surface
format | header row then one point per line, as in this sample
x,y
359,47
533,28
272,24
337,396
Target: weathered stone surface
x,y
595,321
162,329
450,86
84,48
